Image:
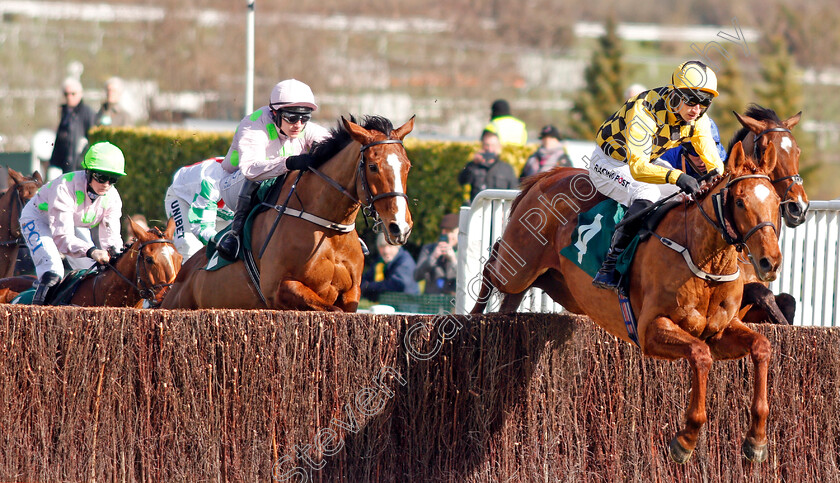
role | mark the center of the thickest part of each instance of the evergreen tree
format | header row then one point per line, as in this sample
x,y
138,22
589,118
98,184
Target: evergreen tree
x,y
781,90
605,83
734,96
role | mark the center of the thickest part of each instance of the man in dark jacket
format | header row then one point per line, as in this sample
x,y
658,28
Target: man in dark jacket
x,y
392,272
71,136
437,263
486,170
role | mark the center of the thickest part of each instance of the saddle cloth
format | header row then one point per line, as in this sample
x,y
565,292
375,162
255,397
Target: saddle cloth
x,y
591,239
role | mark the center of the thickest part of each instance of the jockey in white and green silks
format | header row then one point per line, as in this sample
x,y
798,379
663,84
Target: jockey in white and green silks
x,y
271,141
57,220
194,201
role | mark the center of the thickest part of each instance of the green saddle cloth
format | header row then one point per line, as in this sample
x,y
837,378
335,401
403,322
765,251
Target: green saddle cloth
x,y
63,294
214,261
591,239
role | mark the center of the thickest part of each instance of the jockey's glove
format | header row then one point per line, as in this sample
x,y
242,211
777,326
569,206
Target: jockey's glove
x,y
299,162
98,255
688,184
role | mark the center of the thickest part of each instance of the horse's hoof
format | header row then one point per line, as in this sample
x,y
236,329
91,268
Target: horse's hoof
x,y
753,452
678,453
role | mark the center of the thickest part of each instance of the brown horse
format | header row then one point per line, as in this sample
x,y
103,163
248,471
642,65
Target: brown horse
x,y
762,128
143,271
21,189
314,260
679,315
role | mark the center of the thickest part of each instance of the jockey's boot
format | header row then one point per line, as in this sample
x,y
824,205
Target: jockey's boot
x,y
48,281
230,243
607,277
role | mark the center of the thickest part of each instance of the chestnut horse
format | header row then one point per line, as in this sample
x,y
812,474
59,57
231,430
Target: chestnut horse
x,y
21,189
679,315
314,260
761,128
143,271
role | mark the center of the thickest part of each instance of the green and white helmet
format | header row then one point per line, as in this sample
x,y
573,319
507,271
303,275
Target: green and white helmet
x,y
105,157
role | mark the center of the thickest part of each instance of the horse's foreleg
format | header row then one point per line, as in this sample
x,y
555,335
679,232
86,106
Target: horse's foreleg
x,y
293,295
733,343
663,339
486,288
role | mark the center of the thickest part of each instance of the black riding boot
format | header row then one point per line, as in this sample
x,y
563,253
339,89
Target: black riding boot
x,y
230,242
607,277
48,281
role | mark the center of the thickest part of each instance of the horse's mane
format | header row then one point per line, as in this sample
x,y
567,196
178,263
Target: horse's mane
x,y
339,138
526,185
759,114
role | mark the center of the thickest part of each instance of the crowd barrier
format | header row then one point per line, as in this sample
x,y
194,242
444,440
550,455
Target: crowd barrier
x,y
810,269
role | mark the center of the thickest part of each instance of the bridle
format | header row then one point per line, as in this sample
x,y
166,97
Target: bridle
x,y
795,179
723,222
145,291
361,176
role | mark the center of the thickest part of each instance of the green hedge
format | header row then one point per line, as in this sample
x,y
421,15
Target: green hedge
x,y
153,156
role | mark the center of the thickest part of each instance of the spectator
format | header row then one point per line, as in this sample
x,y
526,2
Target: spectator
x,y
551,153
111,113
195,202
634,90
71,136
511,131
437,263
392,272
486,170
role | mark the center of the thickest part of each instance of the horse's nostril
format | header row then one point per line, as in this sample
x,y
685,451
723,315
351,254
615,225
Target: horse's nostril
x,y
765,265
394,229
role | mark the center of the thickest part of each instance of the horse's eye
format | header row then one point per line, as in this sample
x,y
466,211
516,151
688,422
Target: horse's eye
x,y
150,260
373,168
739,203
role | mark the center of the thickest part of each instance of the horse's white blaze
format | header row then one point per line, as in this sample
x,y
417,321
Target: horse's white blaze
x,y
786,144
802,205
169,254
402,205
762,192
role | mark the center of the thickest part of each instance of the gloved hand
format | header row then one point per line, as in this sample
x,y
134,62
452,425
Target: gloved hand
x,y
299,162
688,184
99,255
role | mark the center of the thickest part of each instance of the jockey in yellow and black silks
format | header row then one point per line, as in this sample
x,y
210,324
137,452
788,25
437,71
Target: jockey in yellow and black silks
x,y
625,165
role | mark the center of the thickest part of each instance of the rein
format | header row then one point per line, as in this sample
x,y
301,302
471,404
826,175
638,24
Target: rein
x,y
722,223
370,198
145,292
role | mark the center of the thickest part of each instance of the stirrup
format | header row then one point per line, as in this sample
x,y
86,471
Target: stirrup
x,y
225,251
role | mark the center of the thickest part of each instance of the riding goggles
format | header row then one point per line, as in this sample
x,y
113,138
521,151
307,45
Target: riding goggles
x,y
293,118
104,178
692,98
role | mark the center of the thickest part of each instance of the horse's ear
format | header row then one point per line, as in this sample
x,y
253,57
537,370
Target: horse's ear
x,y
137,230
170,229
37,176
793,120
14,177
736,158
402,131
358,133
768,161
749,123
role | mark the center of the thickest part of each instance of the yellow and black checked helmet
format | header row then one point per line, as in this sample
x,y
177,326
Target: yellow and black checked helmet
x,y
694,79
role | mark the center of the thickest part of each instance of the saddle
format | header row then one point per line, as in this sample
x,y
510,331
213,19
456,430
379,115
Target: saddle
x,y
62,293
